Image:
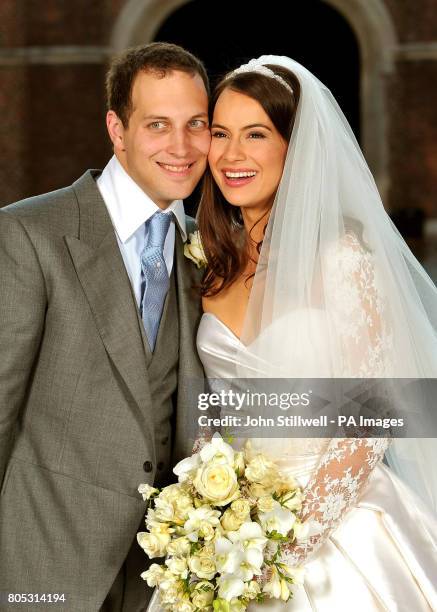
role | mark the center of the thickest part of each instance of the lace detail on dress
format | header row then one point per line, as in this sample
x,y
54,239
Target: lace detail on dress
x,y
342,473
358,310
360,323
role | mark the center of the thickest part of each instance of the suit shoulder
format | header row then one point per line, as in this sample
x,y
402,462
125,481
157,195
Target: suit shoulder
x,y
45,203
55,211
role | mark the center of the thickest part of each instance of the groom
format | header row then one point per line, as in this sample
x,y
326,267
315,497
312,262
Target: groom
x,y
97,343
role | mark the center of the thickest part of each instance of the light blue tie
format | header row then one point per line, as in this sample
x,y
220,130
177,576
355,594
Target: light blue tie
x,y
154,275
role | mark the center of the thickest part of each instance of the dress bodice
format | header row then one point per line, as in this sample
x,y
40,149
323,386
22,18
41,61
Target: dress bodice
x,y
219,349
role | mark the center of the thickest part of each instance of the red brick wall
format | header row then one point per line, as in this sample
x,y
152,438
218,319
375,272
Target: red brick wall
x,y
52,116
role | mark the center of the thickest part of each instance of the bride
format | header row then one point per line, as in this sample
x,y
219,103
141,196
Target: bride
x,y
307,277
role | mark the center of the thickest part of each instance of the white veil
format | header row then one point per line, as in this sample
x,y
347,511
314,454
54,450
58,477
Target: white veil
x,y
329,245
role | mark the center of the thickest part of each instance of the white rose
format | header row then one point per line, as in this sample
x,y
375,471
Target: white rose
x,y
203,594
154,544
194,250
217,482
153,575
230,521
265,503
147,491
203,567
206,531
241,508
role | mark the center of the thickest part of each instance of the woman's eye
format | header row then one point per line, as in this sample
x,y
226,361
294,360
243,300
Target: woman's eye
x,y
218,134
256,135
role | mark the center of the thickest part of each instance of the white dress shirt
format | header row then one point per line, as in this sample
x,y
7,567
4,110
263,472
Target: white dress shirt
x,y
129,208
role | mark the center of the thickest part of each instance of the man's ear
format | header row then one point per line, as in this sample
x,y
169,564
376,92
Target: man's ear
x,y
115,130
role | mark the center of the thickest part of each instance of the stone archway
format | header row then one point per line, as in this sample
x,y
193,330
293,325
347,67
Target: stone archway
x,y
371,22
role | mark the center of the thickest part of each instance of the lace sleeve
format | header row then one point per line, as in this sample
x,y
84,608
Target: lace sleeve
x,y
347,463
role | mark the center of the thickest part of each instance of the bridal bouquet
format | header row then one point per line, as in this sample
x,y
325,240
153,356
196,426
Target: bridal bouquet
x,y
220,529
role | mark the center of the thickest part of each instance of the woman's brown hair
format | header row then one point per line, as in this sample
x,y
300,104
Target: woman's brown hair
x,y
220,222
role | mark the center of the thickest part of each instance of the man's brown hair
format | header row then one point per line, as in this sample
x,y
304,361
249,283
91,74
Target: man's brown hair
x,y
159,58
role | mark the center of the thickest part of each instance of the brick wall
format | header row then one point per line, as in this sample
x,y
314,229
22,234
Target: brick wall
x,y
52,108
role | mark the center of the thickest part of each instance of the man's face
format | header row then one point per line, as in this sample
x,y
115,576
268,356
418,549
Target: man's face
x,y
165,145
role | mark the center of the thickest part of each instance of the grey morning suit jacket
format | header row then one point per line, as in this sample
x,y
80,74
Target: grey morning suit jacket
x,y
76,413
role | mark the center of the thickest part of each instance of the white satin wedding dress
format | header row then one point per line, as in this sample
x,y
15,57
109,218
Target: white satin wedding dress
x,y
377,553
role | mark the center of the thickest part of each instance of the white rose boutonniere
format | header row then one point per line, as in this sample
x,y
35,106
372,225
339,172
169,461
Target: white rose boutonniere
x,y
193,249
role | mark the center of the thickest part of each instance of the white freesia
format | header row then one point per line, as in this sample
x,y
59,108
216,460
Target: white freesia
x,y
171,589
179,547
293,501
278,519
251,590
229,556
172,505
186,467
273,587
250,535
218,450
262,471
183,605
296,573
147,491
230,587
153,575
154,544
177,566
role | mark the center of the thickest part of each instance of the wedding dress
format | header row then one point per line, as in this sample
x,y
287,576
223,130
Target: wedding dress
x,y
376,547
381,554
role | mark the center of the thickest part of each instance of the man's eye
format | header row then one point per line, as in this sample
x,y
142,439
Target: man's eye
x,y
157,125
197,123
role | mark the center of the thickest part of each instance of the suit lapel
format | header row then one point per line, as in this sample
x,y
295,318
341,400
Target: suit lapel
x,y
104,280
190,374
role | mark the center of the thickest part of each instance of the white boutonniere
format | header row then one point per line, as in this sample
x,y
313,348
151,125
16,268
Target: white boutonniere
x,y
193,249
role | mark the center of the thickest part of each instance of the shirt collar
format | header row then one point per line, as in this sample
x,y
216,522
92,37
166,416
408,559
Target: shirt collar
x,y
128,205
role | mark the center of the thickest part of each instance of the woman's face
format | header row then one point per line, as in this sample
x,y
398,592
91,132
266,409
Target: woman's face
x,y
247,152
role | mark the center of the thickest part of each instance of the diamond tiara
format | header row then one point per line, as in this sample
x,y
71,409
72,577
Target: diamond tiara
x,y
261,69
